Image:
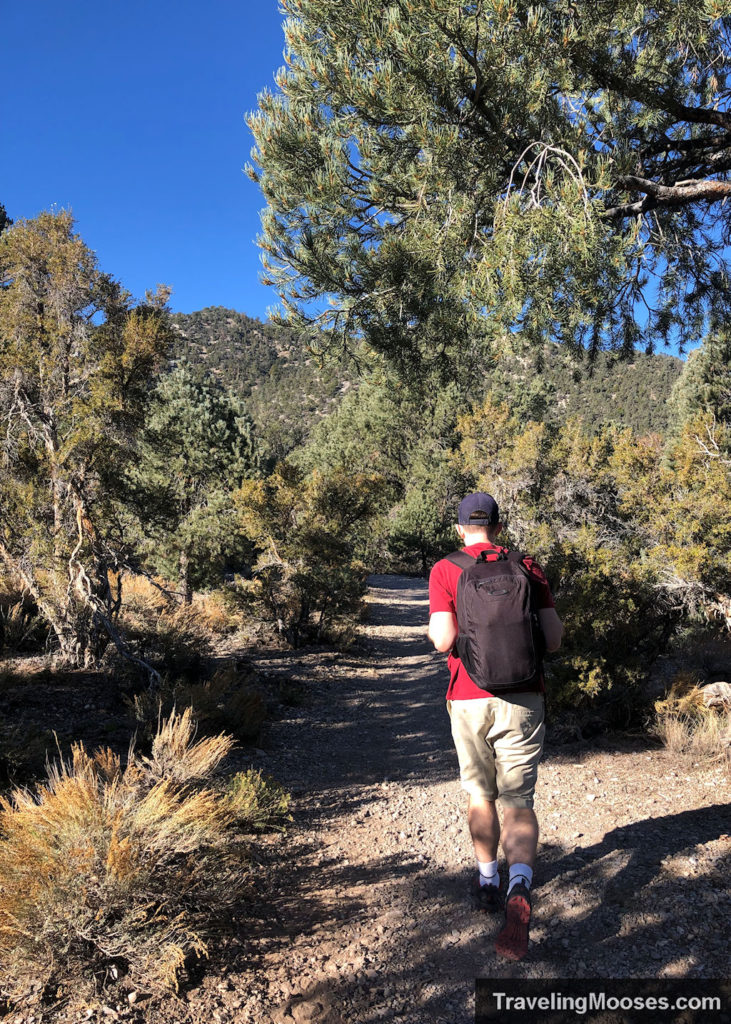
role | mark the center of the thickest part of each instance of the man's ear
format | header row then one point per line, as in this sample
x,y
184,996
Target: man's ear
x,y
497,529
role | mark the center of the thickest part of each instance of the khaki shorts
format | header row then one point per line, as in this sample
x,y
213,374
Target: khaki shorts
x,y
499,743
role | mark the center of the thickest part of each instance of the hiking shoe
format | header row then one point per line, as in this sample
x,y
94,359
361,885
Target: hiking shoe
x,y
485,898
512,942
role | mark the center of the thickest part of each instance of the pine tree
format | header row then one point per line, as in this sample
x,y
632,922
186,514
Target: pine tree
x,y
76,361
406,434
196,448
705,384
439,176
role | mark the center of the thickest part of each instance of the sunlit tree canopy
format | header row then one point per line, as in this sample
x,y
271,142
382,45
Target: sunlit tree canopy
x,y
442,176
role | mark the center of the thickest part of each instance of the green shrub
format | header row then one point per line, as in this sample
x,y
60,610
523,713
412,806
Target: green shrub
x,y
306,580
258,802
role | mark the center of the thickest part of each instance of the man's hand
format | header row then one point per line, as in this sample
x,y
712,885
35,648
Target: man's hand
x,y
442,630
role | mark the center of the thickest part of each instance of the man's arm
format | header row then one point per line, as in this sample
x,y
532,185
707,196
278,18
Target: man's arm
x,y
551,626
442,630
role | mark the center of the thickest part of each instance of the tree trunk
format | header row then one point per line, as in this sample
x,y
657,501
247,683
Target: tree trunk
x,y
46,609
184,578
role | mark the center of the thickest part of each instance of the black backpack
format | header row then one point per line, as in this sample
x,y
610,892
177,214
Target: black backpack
x,y
500,642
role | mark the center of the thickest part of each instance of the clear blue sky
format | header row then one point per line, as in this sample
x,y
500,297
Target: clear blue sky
x,y
132,115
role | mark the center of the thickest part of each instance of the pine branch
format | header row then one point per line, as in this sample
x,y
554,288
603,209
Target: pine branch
x,y
683,193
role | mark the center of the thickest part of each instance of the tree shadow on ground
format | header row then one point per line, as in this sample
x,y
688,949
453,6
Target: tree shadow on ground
x,y
45,711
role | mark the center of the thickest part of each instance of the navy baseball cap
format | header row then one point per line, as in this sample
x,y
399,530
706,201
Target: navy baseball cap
x,y
478,509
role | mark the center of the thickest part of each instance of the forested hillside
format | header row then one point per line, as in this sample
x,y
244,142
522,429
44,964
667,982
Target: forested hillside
x,y
287,390
632,392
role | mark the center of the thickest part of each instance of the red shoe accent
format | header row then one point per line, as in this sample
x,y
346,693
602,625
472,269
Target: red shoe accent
x,y
512,942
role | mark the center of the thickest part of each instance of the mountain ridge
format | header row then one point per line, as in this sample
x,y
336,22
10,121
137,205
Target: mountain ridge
x,y
288,389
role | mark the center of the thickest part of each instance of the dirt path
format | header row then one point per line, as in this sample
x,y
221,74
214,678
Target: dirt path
x,y
370,919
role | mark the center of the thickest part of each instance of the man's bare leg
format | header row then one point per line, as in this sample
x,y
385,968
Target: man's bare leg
x,y
520,842
520,835
484,826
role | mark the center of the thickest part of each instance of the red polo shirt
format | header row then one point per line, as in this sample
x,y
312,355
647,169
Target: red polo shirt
x,y
442,598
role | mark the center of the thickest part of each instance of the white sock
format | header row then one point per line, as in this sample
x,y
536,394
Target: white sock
x,y
520,873
488,872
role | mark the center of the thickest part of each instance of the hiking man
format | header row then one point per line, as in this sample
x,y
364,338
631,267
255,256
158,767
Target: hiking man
x,y
509,620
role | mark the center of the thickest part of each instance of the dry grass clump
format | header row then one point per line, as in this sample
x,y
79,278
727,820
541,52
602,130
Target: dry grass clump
x,y
181,630
110,865
145,601
685,697
258,802
217,609
143,594
20,627
175,638
689,726
696,739
225,701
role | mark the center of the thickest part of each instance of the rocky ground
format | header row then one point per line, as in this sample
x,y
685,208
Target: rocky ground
x,y
361,912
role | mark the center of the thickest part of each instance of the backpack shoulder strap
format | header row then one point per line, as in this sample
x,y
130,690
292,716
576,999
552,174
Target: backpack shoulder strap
x,y
461,558
519,557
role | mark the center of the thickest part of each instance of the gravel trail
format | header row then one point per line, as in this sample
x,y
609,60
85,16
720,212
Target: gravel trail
x,y
369,919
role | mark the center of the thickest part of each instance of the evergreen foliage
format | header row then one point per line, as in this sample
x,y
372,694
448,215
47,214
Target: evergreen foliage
x,y
705,384
307,578
439,176
76,359
230,346
116,463
196,447
405,434
606,390
408,434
